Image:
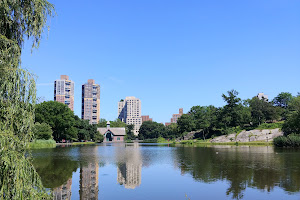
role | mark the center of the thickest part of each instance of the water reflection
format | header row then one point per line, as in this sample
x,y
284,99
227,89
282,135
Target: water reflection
x,y
129,166
263,169
89,181
256,167
63,192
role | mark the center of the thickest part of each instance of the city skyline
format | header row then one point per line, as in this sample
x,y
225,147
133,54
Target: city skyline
x,y
186,54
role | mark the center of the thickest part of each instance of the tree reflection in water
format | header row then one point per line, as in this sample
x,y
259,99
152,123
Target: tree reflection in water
x,y
258,167
242,167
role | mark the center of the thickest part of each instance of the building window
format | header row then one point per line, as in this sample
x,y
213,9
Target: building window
x,y
118,138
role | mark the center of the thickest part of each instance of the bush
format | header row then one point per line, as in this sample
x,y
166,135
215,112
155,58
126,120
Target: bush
x,y
292,140
42,131
270,125
98,137
231,130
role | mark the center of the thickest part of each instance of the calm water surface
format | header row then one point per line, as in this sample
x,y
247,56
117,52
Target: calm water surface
x,y
154,171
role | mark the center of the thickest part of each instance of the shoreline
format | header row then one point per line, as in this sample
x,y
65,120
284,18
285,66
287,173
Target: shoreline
x,y
253,143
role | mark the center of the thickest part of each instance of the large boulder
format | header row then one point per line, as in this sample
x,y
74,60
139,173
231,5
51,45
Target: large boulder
x,y
266,135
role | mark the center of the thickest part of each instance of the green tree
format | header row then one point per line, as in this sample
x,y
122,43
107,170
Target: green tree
x,y
116,123
283,99
232,112
98,137
205,118
262,110
18,19
60,117
42,131
129,134
292,124
186,123
172,131
102,123
86,131
150,130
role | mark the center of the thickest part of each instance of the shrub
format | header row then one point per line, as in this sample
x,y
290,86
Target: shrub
x,y
270,125
292,140
42,131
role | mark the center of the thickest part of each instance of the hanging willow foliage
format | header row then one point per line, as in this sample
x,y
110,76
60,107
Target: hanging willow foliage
x,y
18,18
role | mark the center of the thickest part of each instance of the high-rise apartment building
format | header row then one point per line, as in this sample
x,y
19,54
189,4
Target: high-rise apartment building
x,y
90,109
129,111
64,91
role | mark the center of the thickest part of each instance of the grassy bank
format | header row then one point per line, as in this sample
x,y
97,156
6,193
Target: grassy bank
x,y
38,144
158,140
80,143
207,142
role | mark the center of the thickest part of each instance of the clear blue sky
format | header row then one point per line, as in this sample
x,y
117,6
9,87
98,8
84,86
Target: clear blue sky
x,y
170,53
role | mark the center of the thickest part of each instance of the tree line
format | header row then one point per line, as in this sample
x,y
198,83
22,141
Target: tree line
x,y
56,120
235,116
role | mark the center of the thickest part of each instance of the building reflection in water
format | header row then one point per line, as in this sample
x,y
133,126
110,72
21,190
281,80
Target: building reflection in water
x,y
129,168
89,181
89,173
63,192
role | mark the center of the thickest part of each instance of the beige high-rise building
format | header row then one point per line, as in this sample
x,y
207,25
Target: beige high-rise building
x,y
129,111
90,109
64,91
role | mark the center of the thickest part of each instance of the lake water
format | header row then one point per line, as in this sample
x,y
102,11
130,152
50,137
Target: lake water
x,y
155,171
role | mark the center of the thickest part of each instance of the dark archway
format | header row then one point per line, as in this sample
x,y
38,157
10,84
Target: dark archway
x,y
109,137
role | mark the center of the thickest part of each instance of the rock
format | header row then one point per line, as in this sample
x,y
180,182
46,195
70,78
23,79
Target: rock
x,y
266,135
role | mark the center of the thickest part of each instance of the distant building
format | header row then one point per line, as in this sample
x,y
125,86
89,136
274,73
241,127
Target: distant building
x,y
90,108
261,96
167,124
112,134
64,91
175,117
146,118
129,111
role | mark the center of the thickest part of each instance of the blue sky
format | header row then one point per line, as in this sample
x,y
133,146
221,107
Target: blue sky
x,y
170,53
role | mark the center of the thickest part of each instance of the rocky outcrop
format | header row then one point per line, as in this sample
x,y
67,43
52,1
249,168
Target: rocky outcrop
x,y
266,135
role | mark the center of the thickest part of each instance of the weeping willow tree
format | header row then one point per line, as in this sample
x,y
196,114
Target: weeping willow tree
x,y
19,20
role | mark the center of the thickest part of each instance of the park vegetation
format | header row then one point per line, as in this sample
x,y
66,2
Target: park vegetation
x,y
64,124
19,20
236,115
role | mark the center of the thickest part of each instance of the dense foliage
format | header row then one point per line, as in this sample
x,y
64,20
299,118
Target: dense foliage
x,y
233,117
292,140
18,19
149,130
42,131
116,123
65,125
